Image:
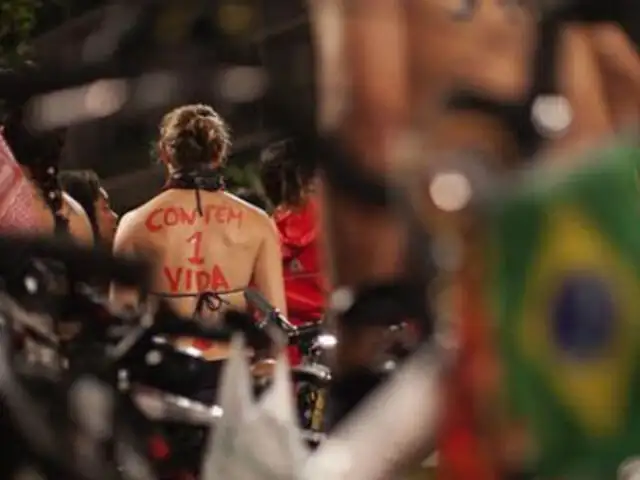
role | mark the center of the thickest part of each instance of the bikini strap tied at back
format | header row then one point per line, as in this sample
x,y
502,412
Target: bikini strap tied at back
x,y
206,301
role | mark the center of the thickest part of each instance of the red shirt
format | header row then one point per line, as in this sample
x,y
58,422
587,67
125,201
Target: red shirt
x,y
304,282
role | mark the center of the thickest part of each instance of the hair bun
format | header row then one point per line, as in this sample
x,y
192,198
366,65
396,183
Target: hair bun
x,y
194,134
194,140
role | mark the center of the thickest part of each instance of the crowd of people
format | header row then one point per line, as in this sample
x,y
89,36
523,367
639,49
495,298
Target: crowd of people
x,y
224,242
530,86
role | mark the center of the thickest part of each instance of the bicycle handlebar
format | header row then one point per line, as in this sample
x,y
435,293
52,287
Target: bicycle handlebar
x,y
295,334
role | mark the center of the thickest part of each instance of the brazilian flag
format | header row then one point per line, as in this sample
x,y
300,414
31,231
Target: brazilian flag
x,y
564,290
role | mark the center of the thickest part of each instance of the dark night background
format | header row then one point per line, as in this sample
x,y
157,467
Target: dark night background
x,y
55,31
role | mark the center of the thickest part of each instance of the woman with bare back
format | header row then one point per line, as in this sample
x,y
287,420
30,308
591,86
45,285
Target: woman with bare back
x,y
198,237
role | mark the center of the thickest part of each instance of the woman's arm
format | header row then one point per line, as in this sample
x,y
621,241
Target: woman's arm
x,y
267,273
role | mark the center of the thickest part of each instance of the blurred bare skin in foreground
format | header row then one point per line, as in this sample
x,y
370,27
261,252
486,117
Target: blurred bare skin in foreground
x,y
386,68
618,60
399,69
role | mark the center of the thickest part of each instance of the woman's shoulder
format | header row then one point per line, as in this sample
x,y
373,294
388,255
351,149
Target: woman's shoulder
x,y
79,223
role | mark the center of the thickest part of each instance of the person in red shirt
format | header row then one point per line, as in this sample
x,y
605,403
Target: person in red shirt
x,y
290,186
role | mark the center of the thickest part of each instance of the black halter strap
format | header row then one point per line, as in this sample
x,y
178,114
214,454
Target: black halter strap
x,y
205,178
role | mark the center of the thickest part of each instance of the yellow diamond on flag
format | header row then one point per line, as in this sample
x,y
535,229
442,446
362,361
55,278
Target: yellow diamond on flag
x,y
576,330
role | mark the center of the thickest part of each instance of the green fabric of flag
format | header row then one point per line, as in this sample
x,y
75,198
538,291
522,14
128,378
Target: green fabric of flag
x,y
564,291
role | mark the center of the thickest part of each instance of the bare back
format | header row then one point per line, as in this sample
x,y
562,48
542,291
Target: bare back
x,y
228,246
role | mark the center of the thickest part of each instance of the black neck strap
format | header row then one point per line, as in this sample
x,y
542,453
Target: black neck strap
x,y
205,178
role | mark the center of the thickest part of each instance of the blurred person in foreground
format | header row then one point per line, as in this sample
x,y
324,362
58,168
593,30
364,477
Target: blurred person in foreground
x,y
198,237
290,186
84,187
386,68
613,30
